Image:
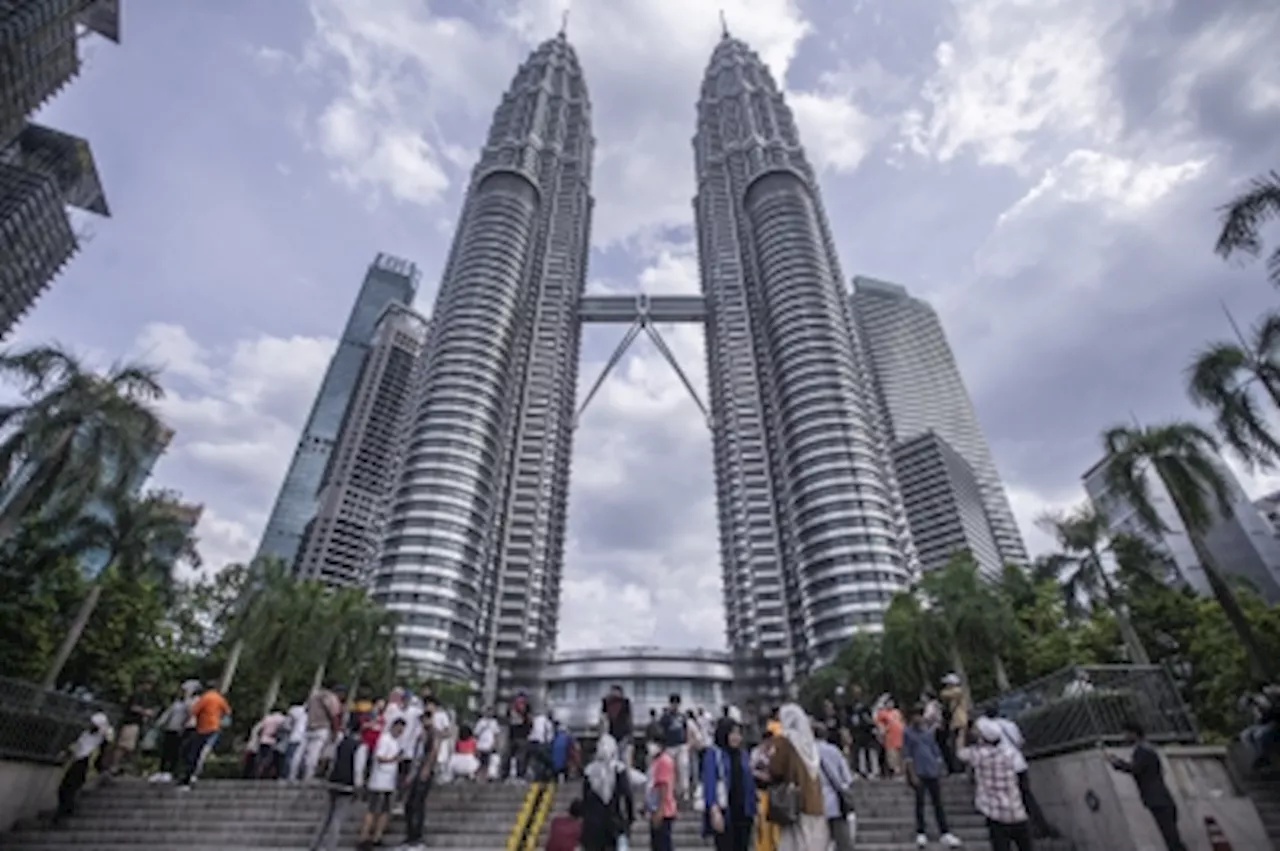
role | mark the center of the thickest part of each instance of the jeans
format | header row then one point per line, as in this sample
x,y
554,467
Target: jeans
x,y
682,771
517,751
415,809
660,835
930,786
331,828
316,740
1006,836
1167,820
193,754
292,760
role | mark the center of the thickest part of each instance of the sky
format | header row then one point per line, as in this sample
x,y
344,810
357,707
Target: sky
x,y
1046,173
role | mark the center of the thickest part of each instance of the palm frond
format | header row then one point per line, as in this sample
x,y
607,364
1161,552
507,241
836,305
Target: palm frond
x,y
1244,216
38,367
1214,373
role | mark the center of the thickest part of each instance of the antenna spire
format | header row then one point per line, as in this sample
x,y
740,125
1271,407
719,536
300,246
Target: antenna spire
x,y
724,25
564,23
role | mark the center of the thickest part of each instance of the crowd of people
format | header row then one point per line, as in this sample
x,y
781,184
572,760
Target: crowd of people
x,y
772,779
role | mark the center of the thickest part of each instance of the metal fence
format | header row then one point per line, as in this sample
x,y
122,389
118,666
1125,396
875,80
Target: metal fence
x,y
1083,706
38,725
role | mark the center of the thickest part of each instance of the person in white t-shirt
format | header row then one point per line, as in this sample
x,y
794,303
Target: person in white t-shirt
x,y
81,752
297,740
487,732
442,723
409,739
383,777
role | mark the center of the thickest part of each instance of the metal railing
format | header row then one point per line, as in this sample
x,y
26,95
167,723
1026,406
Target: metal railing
x,y
37,725
1083,706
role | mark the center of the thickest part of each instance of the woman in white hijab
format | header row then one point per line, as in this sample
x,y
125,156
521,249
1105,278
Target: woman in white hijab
x,y
607,808
795,764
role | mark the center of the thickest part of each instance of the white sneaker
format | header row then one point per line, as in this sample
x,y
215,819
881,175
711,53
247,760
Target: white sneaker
x,y
922,841
950,840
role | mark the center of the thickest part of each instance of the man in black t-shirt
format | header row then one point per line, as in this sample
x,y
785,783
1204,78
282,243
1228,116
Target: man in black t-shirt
x,y
615,712
862,729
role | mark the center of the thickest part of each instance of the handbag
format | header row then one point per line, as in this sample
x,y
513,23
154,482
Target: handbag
x,y
784,803
844,794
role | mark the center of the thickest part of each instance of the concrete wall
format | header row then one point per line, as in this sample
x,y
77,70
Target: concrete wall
x,y
26,789
1113,819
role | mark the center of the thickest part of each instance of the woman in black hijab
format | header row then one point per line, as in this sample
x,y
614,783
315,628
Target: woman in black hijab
x,y
728,790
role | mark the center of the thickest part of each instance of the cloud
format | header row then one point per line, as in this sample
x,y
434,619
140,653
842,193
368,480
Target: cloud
x,y
237,411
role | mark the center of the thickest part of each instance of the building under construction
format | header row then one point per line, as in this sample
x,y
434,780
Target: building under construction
x,y
42,171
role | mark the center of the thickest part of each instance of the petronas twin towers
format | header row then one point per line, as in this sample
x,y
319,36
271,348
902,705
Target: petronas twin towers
x,y
812,533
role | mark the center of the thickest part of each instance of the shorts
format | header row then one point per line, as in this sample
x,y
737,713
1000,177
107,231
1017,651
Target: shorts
x,y
127,741
379,803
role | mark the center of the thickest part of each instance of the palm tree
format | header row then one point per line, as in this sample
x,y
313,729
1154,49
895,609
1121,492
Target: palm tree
x,y
143,539
1223,377
1079,567
978,619
1243,218
913,638
357,636
265,574
72,425
287,628
1183,456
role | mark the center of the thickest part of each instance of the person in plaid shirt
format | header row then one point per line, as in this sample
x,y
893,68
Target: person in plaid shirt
x,y
996,794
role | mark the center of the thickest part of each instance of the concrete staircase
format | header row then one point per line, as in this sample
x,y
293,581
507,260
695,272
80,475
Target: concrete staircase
x,y
886,818
257,815
1265,794
261,815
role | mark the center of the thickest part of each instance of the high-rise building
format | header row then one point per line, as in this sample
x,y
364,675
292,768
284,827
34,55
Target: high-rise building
x,y
342,539
1243,545
388,281
944,504
811,539
474,546
921,391
42,171
813,536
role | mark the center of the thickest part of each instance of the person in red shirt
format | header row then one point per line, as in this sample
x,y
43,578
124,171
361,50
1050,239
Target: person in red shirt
x,y
565,831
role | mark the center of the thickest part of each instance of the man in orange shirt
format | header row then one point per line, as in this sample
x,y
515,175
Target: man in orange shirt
x,y
209,712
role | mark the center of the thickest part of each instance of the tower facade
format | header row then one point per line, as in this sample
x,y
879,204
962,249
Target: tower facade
x,y
342,538
42,171
389,281
922,391
812,539
473,551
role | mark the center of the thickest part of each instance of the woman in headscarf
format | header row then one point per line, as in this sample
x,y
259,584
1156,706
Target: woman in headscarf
x,y
607,808
728,790
795,761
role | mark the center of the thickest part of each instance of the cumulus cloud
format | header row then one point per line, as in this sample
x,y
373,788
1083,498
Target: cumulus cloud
x,y
237,410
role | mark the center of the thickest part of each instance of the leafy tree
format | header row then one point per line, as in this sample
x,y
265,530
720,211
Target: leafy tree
x,y
1244,217
914,645
978,620
1183,456
1082,535
73,430
1224,377
142,537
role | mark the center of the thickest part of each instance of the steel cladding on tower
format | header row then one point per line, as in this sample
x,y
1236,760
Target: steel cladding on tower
x,y
473,552
811,525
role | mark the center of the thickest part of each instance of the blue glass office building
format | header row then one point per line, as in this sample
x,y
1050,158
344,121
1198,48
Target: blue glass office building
x,y
389,280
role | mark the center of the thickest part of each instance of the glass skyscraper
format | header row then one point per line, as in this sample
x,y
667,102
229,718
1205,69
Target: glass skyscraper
x,y
813,537
921,392
389,281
